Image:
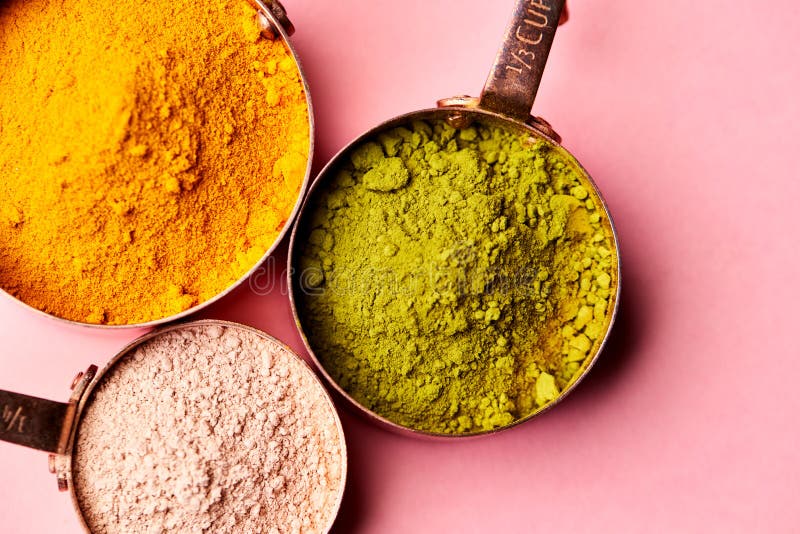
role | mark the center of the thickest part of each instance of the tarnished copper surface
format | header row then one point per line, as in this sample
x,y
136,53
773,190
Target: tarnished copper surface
x,y
31,421
517,71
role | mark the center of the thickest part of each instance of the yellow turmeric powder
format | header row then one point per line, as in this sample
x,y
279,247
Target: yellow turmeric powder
x,y
150,153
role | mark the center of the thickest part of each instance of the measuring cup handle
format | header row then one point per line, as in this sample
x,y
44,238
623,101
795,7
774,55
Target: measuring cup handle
x,y
31,421
514,81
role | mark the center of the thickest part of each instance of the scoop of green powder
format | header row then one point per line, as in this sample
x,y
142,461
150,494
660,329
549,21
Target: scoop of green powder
x,y
457,280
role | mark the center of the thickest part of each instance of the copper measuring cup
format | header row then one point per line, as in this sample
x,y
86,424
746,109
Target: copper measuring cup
x,y
275,25
52,426
506,100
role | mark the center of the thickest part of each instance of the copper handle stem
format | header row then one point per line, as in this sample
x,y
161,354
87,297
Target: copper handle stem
x,y
31,421
514,80
40,423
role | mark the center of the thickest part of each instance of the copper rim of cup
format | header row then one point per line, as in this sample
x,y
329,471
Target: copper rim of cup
x,y
323,179
65,461
272,12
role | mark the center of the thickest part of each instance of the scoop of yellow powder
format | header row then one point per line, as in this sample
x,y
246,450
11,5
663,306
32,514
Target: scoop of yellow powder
x,y
136,180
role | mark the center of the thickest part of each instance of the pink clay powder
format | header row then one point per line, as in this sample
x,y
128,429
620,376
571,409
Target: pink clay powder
x,y
208,428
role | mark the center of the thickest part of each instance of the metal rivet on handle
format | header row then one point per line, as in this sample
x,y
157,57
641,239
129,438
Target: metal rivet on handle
x,y
277,14
76,380
543,126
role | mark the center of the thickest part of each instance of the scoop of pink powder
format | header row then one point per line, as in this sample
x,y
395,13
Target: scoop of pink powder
x,y
209,428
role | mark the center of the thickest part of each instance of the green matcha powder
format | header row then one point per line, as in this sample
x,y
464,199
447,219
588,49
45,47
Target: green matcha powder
x,y
455,281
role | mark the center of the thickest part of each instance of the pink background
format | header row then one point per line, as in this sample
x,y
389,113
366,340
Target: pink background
x,y
687,115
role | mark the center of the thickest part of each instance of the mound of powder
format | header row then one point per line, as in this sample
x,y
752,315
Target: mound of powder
x,y
209,429
151,153
456,280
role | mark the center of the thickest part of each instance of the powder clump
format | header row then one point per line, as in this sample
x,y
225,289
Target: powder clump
x,y
465,294
151,153
209,429
387,175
